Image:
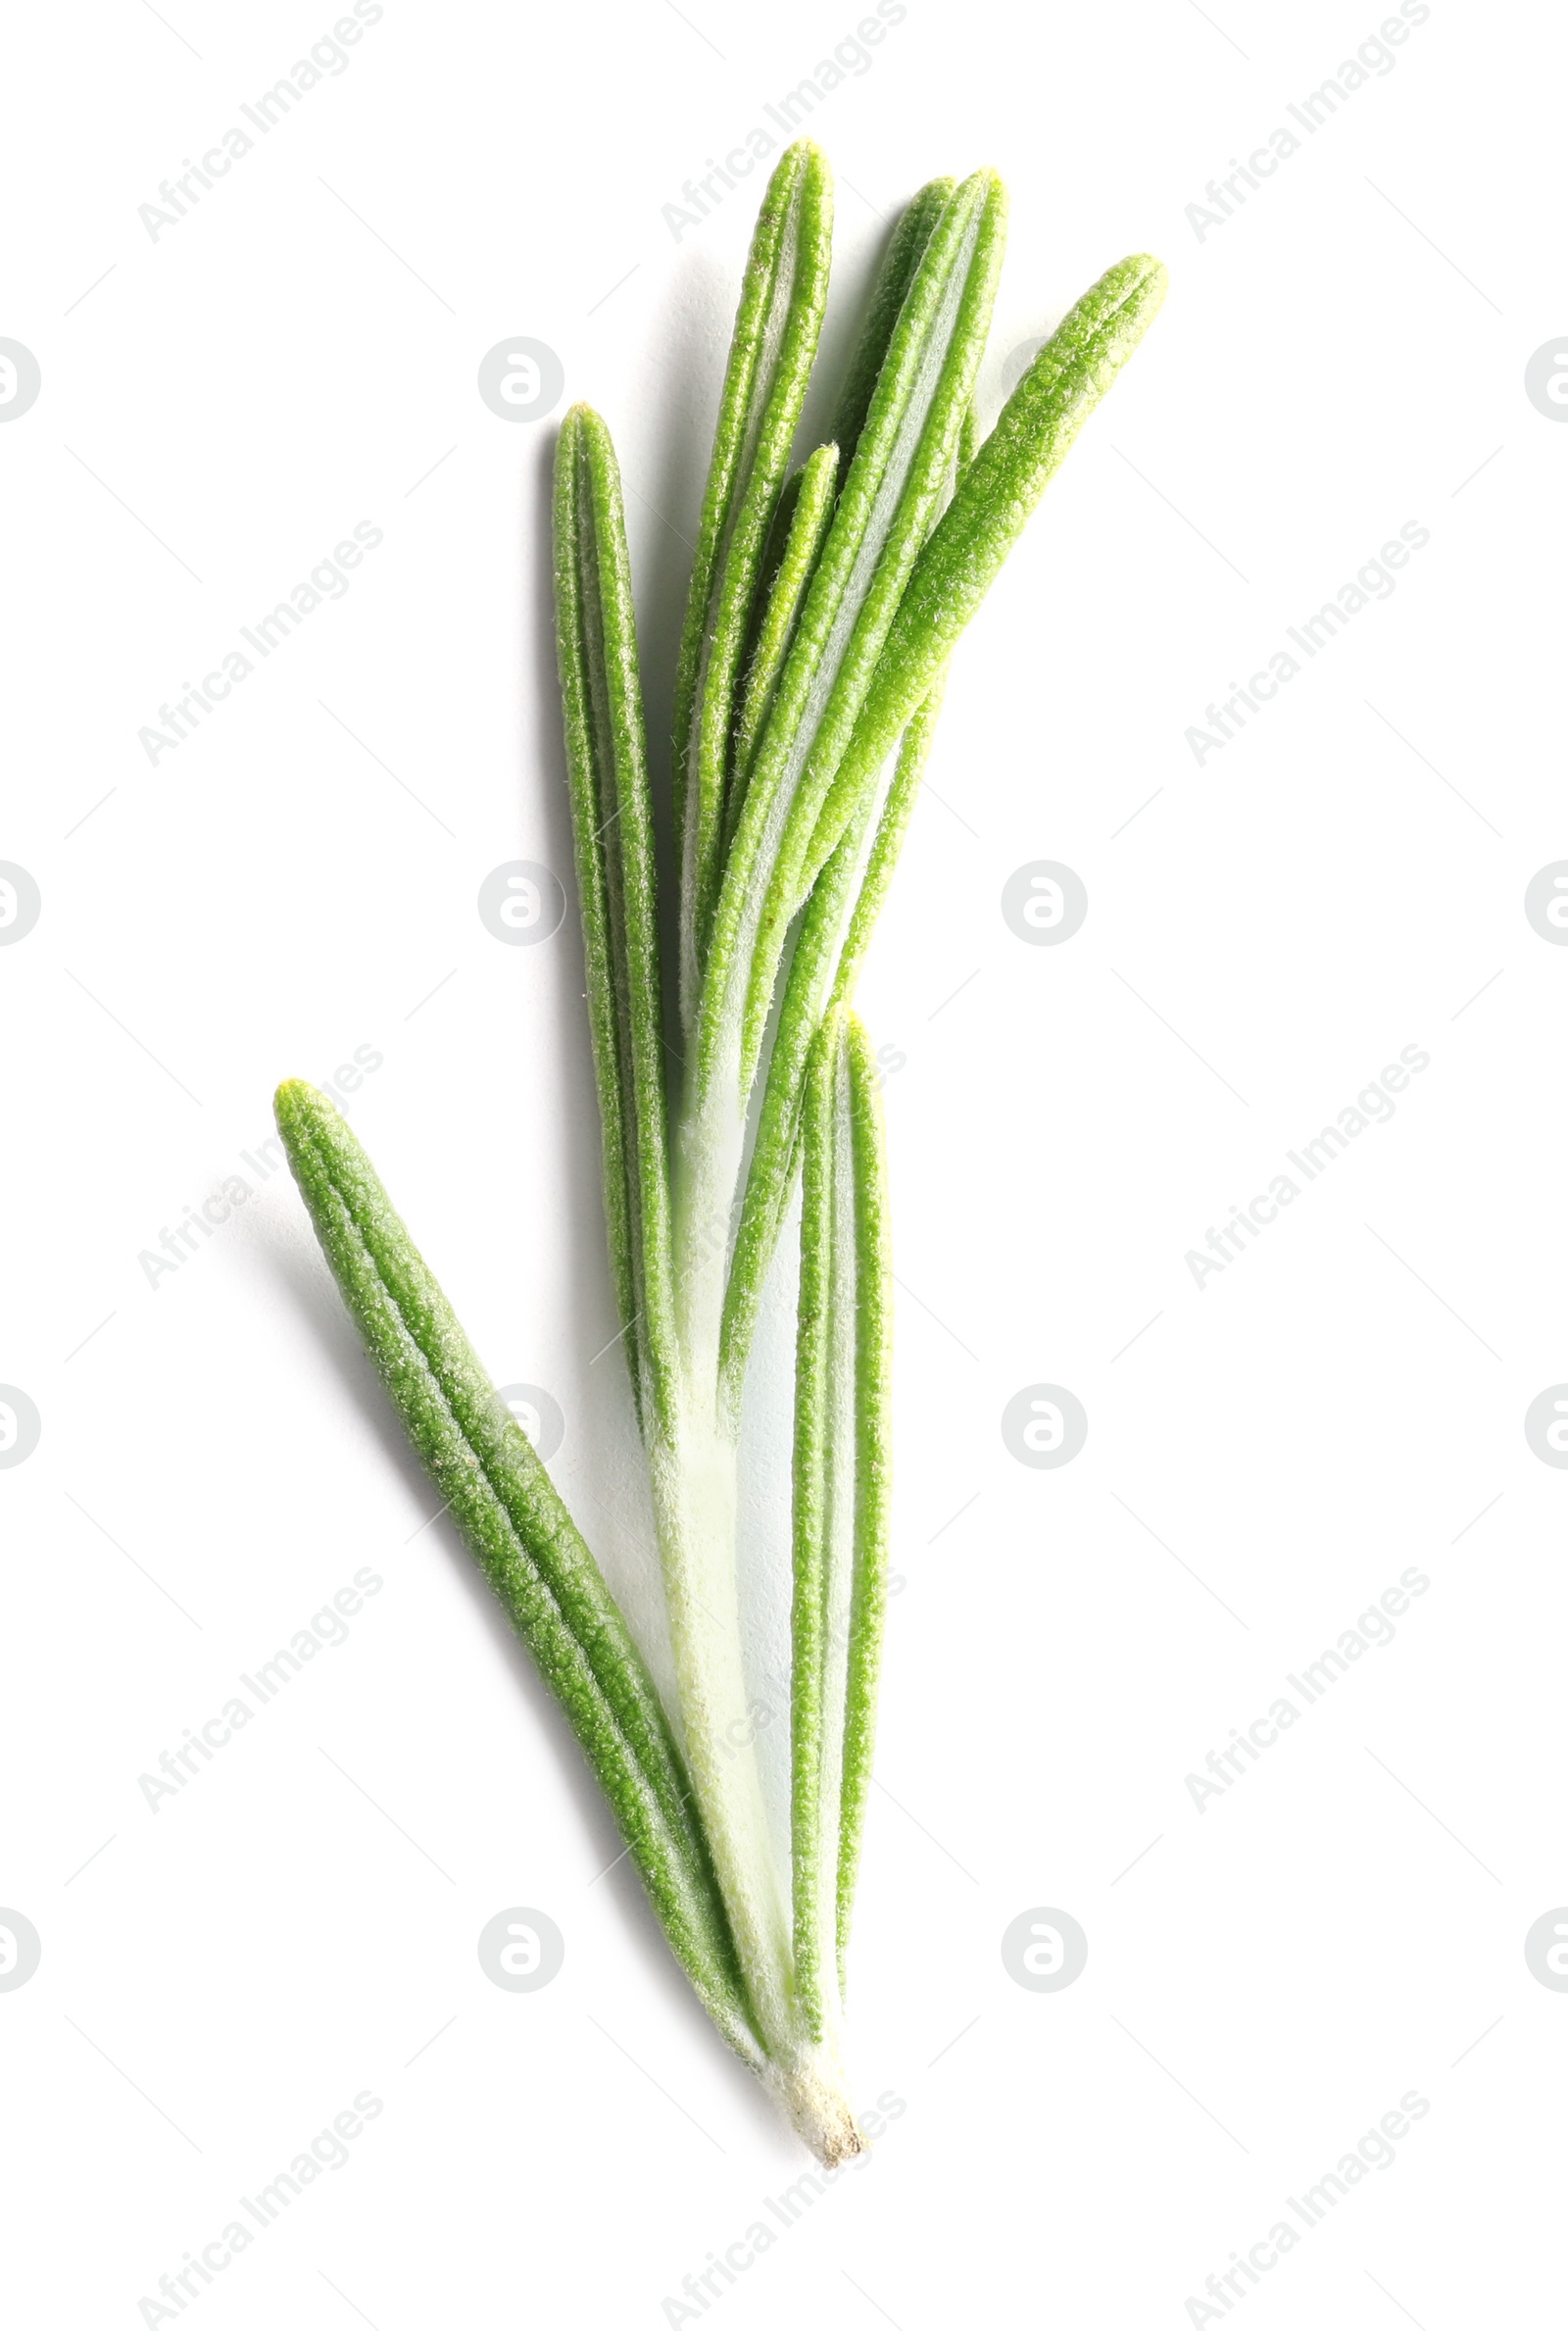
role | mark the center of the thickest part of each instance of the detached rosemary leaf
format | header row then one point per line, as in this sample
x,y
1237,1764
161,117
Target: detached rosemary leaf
x,y
771,359
512,1521
611,817
995,498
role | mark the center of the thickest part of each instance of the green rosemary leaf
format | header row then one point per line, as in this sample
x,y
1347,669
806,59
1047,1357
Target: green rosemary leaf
x,y
897,808
845,900
596,634
822,1499
769,363
825,957
899,472
515,1523
811,508
767,572
905,252
995,498
840,1489
873,1446
888,840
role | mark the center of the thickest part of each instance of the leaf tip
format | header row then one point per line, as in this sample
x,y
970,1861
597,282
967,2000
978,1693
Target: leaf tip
x,y
1150,278
295,1102
989,190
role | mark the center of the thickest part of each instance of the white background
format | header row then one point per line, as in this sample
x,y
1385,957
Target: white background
x,y
1346,1924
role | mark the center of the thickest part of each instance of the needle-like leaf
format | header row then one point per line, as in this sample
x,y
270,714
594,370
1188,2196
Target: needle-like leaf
x,y
872,1441
508,1514
900,469
993,503
899,264
818,1501
830,945
841,1486
769,364
611,817
811,509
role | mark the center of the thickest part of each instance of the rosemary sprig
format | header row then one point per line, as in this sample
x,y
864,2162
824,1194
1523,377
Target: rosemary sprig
x,y
824,608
